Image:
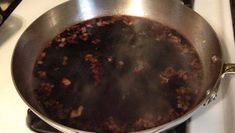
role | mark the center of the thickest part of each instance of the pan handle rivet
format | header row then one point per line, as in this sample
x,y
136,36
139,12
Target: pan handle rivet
x,y
212,97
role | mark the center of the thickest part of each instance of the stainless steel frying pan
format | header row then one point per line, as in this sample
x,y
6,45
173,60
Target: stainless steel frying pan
x,y
168,12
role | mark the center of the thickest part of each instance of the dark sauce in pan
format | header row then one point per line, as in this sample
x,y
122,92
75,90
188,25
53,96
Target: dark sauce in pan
x,y
117,74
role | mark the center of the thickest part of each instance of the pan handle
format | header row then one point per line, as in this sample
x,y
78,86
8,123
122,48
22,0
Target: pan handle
x,y
228,69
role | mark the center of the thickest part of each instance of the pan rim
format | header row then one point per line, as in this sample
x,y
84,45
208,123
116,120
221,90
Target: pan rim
x,y
54,123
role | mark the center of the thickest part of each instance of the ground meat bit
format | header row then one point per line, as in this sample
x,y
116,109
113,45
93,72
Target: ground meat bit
x,y
166,75
96,41
183,74
170,72
146,121
89,26
163,79
56,69
41,56
72,39
175,39
112,126
110,59
171,115
47,87
141,65
66,82
76,112
83,29
158,39
62,44
42,74
178,43
181,91
63,39
142,33
183,99
39,62
59,39
121,63
65,60
182,103
101,23
128,22
84,36
90,57
94,66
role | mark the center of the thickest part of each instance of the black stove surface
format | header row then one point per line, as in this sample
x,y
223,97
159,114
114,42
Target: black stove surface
x,y
39,126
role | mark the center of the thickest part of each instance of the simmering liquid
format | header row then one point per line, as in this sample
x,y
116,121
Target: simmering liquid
x,y
117,74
